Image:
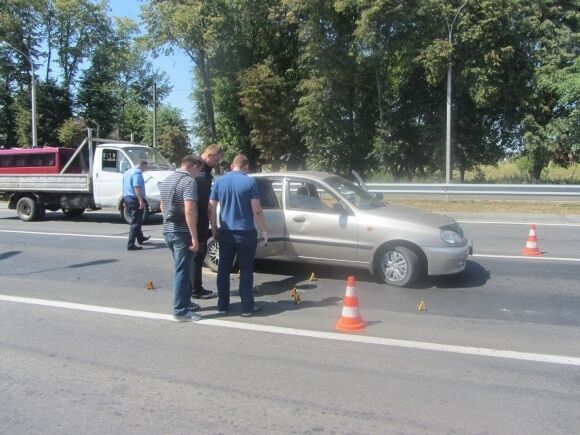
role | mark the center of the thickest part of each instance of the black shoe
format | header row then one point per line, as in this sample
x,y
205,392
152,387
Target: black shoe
x,y
145,238
255,310
203,294
134,248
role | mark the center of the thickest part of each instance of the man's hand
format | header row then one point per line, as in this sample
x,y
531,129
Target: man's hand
x,y
141,204
264,238
194,246
215,234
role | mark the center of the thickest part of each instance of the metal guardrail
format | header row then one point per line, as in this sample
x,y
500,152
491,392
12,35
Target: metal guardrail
x,y
477,189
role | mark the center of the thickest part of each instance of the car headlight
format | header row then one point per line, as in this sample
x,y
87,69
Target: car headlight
x,y
451,237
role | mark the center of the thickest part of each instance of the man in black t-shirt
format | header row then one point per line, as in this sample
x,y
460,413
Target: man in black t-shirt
x,y
211,158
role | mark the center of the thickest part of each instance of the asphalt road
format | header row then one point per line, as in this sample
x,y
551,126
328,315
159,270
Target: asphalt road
x,y
86,347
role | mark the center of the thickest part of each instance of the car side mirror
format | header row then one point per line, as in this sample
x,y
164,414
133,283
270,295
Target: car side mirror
x,y
337,207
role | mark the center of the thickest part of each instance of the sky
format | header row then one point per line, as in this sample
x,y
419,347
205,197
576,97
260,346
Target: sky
x,y
177,67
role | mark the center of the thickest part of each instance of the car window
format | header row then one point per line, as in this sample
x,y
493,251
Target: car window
x,y
358,197
270,196
304,195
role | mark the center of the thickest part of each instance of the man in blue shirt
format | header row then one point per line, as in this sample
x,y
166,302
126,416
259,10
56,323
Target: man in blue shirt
x,y
240,214
134,198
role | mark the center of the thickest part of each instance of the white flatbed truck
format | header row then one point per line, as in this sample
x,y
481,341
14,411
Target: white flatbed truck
x,y
98,186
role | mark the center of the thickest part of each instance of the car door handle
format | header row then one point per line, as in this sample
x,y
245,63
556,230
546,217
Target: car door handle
x,y
298,218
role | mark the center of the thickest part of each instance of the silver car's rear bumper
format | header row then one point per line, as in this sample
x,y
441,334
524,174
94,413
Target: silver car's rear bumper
x,y
447,261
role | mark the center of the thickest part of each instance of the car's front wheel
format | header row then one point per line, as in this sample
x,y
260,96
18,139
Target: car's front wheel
x,y
398,265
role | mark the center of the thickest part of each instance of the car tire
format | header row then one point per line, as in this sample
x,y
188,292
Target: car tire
x,y
398,266
27,209
212,256
125,214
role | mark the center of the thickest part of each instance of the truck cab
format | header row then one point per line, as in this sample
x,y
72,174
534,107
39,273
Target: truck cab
x,y
112,160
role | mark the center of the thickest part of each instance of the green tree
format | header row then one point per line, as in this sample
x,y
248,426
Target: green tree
x,y
53,110
72,132
172,138
77,28
333,110
551,125
20,33
191,27
262,97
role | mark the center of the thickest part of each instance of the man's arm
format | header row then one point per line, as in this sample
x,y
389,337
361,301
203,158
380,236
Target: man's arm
x,y
190,208
259,217
212,211
138,180
139,196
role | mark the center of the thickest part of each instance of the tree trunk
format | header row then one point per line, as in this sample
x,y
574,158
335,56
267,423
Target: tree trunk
x,y
379,93
202,64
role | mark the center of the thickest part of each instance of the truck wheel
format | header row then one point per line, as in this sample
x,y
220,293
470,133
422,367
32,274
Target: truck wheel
x,y
73,212
27,209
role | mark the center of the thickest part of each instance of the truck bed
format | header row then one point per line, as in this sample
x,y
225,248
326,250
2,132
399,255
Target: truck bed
x,y
79,183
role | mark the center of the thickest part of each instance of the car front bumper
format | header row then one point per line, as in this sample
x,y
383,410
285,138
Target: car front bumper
x,y
448,260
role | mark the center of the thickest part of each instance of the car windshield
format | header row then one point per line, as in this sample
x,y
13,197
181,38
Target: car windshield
x,y
154,158
358,197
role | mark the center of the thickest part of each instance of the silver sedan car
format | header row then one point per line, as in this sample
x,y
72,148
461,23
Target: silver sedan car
x,y
318,217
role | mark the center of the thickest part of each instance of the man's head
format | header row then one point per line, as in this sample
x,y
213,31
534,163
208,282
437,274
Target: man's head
x,y
142,164
192,164
241,163
212,155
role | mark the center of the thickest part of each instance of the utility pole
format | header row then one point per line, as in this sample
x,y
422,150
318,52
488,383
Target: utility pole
x,y
32,85
448,129
154,114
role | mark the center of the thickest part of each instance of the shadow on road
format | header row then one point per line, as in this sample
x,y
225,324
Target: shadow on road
x,y
9,254
474,275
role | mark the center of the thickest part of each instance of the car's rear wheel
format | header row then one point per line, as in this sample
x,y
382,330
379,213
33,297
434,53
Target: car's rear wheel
x,y
398,265
212,257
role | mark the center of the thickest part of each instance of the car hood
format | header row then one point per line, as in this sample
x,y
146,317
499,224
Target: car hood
x,y
156,175
410,214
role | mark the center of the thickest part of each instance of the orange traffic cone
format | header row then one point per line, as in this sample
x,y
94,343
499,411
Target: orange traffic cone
x,y
350,320
532,243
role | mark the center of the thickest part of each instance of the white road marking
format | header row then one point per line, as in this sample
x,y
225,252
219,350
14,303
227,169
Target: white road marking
x,y
523,257
408,344
541,224
100,236
95,236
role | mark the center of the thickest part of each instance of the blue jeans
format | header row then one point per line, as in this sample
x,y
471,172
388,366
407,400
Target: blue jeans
x,y
136,214
243,244
179,244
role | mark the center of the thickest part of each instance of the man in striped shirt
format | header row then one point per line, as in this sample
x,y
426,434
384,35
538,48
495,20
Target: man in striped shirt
x,y
179,208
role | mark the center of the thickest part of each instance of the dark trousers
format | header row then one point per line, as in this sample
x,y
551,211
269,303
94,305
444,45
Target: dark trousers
x,y
136,214
202,236
243,244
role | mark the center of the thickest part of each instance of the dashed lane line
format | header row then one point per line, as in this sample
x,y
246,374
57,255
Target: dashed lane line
x,y
100,236
362,339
